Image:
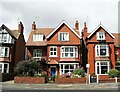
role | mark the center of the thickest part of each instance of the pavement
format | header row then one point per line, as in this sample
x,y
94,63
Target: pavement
x,y
10,85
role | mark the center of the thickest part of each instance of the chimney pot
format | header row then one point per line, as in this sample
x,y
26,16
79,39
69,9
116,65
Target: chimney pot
x,y
33,26
76,25
20,28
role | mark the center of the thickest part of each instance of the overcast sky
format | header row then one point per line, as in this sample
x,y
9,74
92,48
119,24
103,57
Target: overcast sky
x,y
49,13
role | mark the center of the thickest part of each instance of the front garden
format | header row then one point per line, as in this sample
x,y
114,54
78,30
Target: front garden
x,y
30,71
77,76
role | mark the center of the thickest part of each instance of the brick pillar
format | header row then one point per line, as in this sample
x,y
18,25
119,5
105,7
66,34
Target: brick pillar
x,y
91,57
112,55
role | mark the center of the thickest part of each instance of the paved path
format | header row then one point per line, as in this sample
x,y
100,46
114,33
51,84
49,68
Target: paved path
x,y
93,86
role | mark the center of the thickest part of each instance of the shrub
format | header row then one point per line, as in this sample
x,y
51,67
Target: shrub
x,y
79,72
113,73
26,68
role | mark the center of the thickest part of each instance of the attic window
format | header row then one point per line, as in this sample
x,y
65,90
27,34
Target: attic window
x,y
38,37
100,36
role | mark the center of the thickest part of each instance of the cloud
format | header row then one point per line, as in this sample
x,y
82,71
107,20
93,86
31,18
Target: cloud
x,y
49,13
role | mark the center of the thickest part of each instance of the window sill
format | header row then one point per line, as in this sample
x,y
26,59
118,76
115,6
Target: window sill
x,y
53,56
101,74
101,56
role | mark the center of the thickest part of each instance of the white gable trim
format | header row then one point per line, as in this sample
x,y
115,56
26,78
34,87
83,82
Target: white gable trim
x,y
63,22
100,25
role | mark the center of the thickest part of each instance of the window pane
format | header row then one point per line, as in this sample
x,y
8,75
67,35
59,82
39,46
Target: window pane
x,y
51,49
54,53
5,68
51,53
71,66
104,69
66,66
66,49
6,52
54,49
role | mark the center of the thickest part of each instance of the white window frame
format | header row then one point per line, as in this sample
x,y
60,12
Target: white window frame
x,y
97,50
2,50
54,47
75,65
3,67
4,38
100,35
35,56
75,52
98,65
37,37
64,38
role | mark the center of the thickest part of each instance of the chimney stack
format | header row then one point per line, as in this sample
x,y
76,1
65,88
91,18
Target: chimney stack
x,y
77,26
33,26
84,31
20,28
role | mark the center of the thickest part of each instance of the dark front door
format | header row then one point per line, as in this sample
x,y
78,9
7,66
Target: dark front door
x,y
53,71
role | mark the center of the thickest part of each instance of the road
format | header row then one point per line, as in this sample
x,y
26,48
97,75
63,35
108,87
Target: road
x,y
110,87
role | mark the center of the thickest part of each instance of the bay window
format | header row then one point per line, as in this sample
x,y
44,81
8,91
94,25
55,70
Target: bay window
x,y
67,67
102,50
4,67
102,67
37,53
69,52
4,51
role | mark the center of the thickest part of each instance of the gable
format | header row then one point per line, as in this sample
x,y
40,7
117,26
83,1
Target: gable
x,y
72,37
65,23
4,29
94,37
96,29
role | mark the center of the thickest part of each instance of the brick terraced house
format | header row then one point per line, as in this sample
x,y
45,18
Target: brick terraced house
x,y
101,50
12,48
60,47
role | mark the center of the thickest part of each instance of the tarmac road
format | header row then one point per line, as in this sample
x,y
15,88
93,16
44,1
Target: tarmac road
x,y
100,87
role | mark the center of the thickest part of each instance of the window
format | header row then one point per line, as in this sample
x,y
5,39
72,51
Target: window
x,y
64,36
4,68
37,53
4,51
102,50
69,52
68,67
4,37
102,67
100,36
53,51
38,37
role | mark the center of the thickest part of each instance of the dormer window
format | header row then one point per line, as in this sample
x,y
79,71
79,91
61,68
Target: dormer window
x,y
38,37
63,36
100,36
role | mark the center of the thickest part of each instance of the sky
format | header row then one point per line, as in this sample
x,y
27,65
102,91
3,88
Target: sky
x,y
49,13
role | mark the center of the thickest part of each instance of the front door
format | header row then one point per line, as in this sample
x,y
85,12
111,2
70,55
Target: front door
x,y
52,71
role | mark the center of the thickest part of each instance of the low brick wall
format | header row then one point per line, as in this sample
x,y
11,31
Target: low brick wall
x,y
7,76
118,80
107,80
29,80
70,80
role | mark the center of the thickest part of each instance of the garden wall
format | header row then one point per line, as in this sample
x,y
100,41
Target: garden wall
x,y
7,76
70,80
30,80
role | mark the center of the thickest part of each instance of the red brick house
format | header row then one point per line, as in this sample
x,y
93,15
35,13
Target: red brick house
x,y
59,47
12,48
99,50
117,50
